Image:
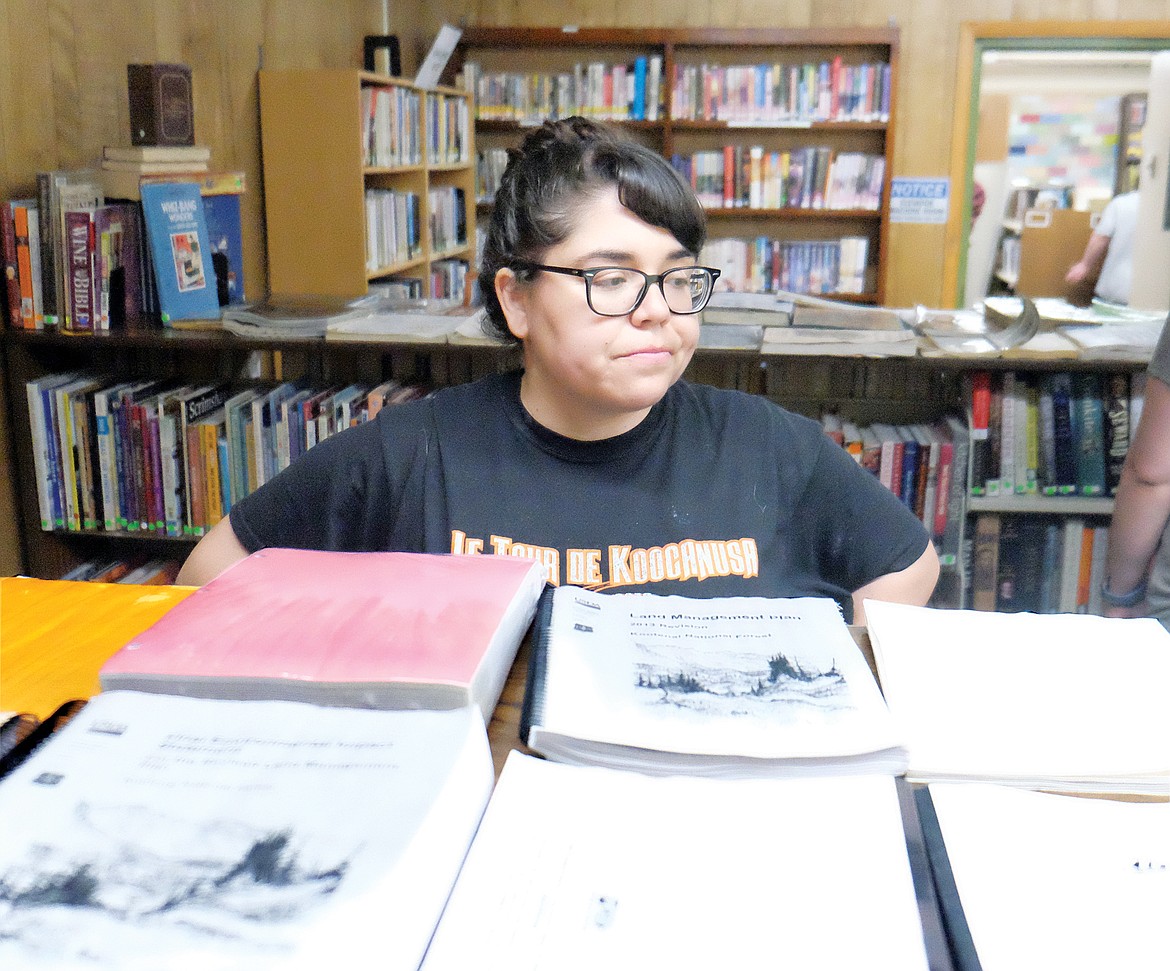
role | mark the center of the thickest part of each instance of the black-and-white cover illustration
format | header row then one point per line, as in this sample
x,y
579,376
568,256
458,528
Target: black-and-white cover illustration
x,y
711,681
166,832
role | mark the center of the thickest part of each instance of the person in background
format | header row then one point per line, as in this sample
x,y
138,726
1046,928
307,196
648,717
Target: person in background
x,y
978,200
1137,563
597,458
1107,263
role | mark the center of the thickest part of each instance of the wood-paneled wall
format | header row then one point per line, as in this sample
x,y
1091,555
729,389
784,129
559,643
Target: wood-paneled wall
x,y
63,63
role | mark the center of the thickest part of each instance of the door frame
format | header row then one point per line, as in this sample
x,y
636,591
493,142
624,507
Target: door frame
x,y
976,37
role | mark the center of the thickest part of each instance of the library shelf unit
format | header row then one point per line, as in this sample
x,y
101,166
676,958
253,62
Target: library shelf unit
x,y
320,177
899,390
703,58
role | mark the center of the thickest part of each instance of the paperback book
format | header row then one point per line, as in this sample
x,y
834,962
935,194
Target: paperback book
x,y
735,686
367,630
176,226
153,832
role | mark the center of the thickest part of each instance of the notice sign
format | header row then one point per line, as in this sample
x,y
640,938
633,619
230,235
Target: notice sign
x,y
919,200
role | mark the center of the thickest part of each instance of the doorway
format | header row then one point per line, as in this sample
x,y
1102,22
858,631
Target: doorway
x,y
997,57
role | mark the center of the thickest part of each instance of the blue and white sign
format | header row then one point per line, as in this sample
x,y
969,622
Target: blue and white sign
x,y
919,200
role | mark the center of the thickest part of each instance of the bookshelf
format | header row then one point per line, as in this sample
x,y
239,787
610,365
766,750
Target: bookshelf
x,y
350,202
697,67
900,390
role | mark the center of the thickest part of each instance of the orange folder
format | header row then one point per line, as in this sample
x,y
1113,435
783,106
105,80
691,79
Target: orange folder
x,y
56,634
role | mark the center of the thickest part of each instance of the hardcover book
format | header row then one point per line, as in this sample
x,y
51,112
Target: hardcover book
x,y
368,630
731,686
176,226
161,105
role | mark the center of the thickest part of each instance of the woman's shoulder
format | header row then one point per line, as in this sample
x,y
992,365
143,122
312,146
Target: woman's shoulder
x,y
731,408
456,400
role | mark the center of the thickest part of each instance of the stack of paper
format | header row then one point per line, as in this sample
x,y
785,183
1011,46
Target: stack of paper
x,y
291,317
840,341
424,320
580,868
1066,702
1050,881
1119,340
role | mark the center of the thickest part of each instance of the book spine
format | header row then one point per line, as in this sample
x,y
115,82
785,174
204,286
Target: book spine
x,y
48,254
11,270
64,425
139,469
86,455
156,499
984,580
106,461
79,247
41,455
1117,429
171,472
196,522
1091,428
21,231
979,427
213,502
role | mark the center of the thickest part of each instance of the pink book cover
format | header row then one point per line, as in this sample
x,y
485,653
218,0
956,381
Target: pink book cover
x,y
376,630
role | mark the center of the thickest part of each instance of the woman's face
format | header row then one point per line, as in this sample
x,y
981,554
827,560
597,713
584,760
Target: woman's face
x,y
587,376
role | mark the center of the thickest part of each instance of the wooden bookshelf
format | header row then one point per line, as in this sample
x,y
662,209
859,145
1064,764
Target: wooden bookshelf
x,y
317,176
673,132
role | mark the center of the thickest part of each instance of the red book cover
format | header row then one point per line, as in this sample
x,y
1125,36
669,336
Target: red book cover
x,y
369,630
946,472
729,170
11,273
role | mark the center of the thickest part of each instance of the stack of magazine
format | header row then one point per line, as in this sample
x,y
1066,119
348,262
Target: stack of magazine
x,y
278,317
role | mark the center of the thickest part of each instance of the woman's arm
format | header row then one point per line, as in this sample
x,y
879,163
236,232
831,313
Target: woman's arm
x,y
1141,506
213,554
913,585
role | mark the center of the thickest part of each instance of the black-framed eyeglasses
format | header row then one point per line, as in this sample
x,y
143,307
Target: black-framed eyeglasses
x,y
614,291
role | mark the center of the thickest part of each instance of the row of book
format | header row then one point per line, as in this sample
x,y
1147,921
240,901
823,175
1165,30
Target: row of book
x,y
1043,564
159,457
448,126
770,94
449,279
766,265
924,464
390,126
140,570
78,260
805,178
610,92
448,218
1051,433
393,228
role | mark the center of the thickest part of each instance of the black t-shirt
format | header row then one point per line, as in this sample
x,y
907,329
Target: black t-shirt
x,y
715,493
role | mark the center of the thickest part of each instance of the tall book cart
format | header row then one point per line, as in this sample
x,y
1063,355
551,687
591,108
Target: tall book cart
x,y
360,174
761,121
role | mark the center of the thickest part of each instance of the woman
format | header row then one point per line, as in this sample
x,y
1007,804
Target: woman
x,y
597,459
1137,563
